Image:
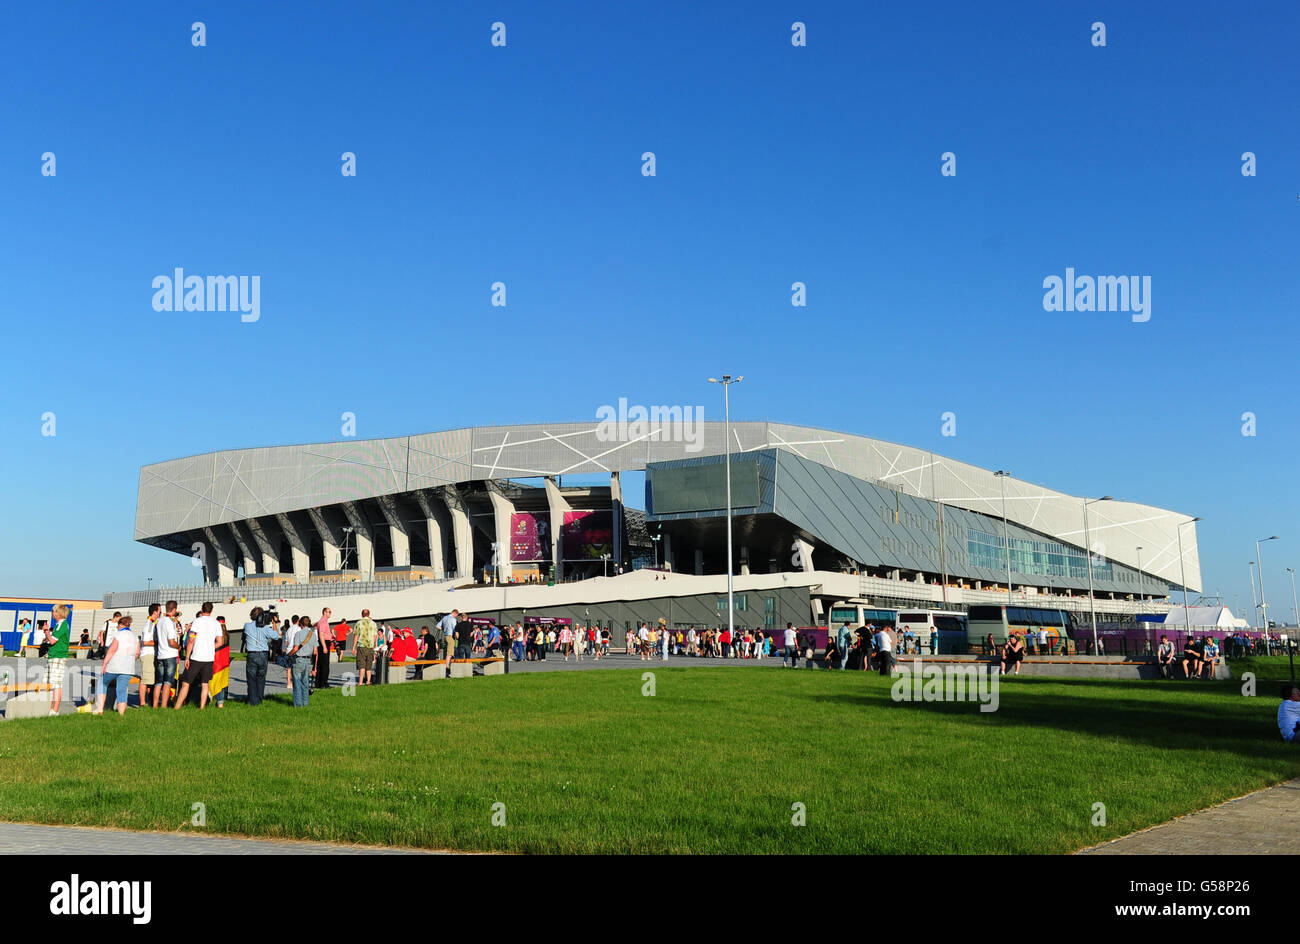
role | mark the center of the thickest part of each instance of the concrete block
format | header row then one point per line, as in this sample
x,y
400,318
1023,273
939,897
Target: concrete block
x,y
80,653
28,705
434,673
334,657
462,669
494,668
397,673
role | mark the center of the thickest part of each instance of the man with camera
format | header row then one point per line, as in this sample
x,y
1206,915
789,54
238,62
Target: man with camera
x,y
259,633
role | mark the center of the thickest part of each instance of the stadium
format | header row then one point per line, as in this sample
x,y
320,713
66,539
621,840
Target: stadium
x,y
482,519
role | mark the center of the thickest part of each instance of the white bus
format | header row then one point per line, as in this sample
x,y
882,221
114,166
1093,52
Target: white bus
x,y
948,627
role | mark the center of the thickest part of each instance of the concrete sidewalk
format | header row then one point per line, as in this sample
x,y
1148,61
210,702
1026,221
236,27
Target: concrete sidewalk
x,y
26,839
1261,823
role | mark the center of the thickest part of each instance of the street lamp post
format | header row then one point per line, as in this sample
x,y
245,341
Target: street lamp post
x,y
1263,604
655,538
1182,577
1001,475
605,558
1087,541
726,381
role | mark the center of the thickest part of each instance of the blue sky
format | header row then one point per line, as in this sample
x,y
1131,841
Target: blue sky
x,y
775,164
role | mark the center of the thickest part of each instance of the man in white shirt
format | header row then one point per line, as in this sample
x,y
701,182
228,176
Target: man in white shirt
x,y
1288,713
166,652
448,626
205,636
643,640
884,650
791,656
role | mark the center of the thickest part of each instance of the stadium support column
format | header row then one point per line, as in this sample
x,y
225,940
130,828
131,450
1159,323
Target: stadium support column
x,y
461,534
399,538
252,563
436,521
223,557
330,539
365,539
670,559
616,501
502,509
298,547
805,551
267,538
558,505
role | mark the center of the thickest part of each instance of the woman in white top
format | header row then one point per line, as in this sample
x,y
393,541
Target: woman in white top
x,y
119,666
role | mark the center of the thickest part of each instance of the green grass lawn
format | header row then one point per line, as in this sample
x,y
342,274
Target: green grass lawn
x,y
712,763
1274,669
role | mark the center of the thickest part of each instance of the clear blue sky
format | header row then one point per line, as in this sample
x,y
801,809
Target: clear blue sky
x,y
774,164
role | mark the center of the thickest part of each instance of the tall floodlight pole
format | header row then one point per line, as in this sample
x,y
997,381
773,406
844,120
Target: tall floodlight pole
x,y
1263,604
1001,475
1254,600
1290,643
1087,541
1139,550
726,381
1182,576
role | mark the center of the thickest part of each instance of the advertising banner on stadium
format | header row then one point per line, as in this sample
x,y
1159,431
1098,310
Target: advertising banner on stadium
x,y
527,537
587,535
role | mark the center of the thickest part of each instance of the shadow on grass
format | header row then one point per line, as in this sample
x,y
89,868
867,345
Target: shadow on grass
x,y
1216,722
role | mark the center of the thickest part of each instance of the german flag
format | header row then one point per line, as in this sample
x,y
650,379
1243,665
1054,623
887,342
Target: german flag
x,y
220,671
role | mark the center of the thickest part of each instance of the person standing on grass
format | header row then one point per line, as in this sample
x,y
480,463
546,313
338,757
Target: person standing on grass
x,y
884,643
119,665
147,639
301,646
258,634
324,645
57,638
290,628
363,647
200,652
844,639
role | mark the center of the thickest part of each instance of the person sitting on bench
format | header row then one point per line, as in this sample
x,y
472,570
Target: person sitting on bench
x,y
1165,657
1288,713
1013,653
1192,658
1211,650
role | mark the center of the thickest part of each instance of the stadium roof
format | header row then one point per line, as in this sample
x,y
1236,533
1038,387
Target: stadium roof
x,y
183,495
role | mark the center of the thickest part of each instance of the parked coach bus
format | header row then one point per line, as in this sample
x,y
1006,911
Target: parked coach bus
x,y
857,613
999,621
949,625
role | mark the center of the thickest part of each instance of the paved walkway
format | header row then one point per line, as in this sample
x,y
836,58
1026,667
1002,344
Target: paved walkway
x,y
1260,823
24,839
